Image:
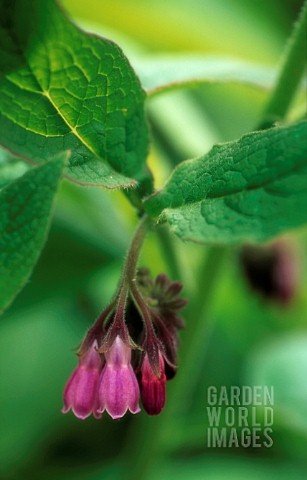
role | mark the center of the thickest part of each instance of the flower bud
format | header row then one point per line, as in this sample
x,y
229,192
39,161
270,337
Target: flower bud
x,y
153,388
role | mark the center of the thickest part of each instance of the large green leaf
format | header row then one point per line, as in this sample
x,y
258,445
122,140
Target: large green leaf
x,y
61,88
26,206
246,190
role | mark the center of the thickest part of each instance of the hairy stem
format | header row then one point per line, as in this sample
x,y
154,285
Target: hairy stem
x,y
130,265
142,307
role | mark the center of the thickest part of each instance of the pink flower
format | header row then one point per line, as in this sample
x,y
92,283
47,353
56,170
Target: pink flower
x,y
153,389
81,388
118,388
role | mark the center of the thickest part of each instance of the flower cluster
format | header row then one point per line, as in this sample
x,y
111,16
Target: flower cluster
x,y
130,351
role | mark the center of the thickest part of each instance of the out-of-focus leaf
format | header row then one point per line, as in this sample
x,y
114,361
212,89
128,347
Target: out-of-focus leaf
x,y
99,213
26,207
61,88
10,168
282,363
195,25
224,468
228,469
36,355
69,260
160,74
247,190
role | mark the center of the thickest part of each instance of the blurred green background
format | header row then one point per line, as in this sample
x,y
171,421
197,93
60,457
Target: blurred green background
x,y
248,341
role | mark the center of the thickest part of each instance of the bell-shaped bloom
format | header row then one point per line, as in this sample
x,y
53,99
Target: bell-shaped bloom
x,y
118,388
153,388
81,389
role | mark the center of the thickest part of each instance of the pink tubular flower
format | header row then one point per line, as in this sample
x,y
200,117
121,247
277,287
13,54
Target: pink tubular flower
x,y
118,389
80,390
153,390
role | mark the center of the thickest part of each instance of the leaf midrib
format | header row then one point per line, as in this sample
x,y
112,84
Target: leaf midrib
x,y
46,93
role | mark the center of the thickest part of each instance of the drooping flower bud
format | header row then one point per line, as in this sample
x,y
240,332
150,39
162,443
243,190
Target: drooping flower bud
x,y
153,388
118,389
80,390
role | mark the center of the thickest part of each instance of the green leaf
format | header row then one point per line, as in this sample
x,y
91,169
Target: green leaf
x,y
246,190
26,206
160,74
61,89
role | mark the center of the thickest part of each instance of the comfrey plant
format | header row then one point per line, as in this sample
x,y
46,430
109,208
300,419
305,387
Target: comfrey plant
x,y
131,350
71,105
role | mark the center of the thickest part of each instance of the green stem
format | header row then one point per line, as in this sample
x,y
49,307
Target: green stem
x,y
128,278
148,433
119,318
291,72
